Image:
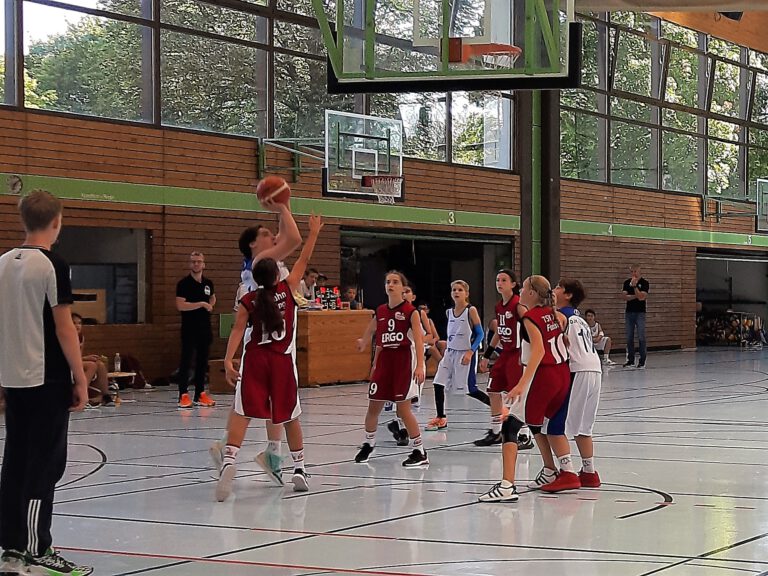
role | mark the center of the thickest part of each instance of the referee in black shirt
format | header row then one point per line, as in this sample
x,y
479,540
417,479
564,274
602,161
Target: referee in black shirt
x,y
39,358
195,300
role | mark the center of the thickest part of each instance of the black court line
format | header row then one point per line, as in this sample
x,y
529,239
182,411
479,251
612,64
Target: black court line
x,y
91,473
706,555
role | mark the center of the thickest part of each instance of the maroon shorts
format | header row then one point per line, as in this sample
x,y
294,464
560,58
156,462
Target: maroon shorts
x,y
506,372
268,388
393,377
549,391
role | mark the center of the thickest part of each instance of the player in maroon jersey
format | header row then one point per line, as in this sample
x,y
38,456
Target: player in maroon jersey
x,y
399,368
546,372
507,369
269,387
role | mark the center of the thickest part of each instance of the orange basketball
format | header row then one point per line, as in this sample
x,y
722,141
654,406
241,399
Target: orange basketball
x,y
273,188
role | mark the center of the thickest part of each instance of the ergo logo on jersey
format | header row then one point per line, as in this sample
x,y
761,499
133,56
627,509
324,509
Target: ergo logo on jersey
x,y
391,337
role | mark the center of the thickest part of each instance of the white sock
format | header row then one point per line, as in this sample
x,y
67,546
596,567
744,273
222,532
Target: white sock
x,y
418,444
230,453
506,484
496,423
273,446
566,463
588,465
370,438
298,459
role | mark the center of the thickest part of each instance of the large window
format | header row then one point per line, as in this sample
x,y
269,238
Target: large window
x,y
254,68
685,112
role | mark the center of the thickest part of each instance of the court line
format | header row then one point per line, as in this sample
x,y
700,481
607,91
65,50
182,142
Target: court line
x,y
221,561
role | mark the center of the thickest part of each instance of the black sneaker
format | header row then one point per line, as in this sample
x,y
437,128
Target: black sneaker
x,y
54,565
524,443
365,451
417,459
628,365
394,428
641,366
402,437
300,480
489,439
13,562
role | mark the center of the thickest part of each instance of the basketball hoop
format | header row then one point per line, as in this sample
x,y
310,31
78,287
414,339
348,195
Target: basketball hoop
x,y
386,188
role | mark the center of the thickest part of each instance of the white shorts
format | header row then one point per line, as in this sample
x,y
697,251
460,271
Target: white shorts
x,y
452,374
601,344
582,406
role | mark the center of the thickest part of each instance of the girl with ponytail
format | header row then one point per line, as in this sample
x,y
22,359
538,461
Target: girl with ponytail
x,y
268,388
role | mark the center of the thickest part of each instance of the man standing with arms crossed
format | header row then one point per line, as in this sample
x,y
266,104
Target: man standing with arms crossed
x,y
635,293
39,357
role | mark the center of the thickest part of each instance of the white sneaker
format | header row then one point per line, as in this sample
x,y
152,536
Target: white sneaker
x,y
609,362
226,479
271,463
300,480
542,479
499,494
217,454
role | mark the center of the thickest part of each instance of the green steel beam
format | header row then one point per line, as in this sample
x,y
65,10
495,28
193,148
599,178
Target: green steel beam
x,y
370,39
334,51
536,153
545,29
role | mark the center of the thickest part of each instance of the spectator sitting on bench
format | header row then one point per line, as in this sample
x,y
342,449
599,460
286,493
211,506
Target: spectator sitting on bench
x,y
602,342
95,370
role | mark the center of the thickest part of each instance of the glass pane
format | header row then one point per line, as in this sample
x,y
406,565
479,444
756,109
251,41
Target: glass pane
x,y
637,20
582,150
215,19
724,130
633,110
583,99
679,34
129,7
723,48
301,98
305,7
759,137
482,129
594,68
760,105
84,64
680,120
299,38
680,162
726,97
633,64
758,169
758,59
423,116
633,161
723,170
3,79
683,78
213,85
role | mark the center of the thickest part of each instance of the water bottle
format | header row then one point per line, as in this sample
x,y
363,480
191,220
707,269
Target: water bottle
x,y
117,362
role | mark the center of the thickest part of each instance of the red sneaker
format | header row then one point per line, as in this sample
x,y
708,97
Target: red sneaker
x,y
564,481
589,479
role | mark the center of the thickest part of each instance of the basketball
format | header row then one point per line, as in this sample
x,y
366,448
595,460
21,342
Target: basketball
x,y
273,188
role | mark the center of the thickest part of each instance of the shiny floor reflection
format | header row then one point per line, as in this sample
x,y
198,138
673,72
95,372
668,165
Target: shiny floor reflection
x,y
682,448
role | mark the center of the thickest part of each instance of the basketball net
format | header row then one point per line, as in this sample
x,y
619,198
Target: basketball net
x,y
387,188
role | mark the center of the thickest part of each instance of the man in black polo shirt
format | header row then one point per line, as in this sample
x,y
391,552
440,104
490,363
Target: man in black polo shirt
x,y
195,300
635,293
39,357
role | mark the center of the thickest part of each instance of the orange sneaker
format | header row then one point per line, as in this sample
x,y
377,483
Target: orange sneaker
x,y
205,400
436,424
185,401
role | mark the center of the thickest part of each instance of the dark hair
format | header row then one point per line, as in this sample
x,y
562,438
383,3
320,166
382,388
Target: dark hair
x,y
76,315
38,209
246,237
575,288
513,277
403,279
309,271
266,275
589,311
